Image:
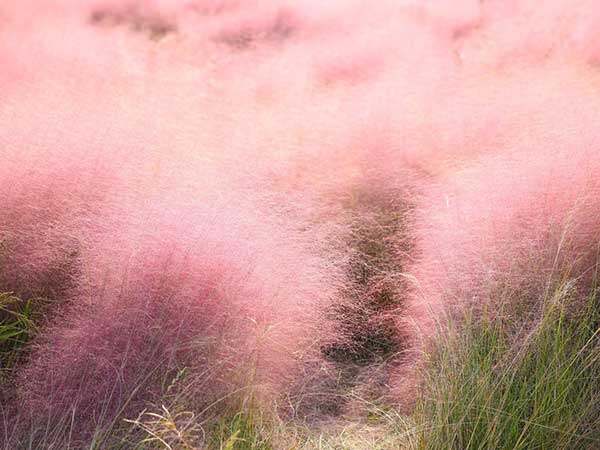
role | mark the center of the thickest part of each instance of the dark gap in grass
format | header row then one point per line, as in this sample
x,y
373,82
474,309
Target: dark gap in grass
x,y
245,38
27,298
370,341
370,335
23,273
212,7
26,304
133,18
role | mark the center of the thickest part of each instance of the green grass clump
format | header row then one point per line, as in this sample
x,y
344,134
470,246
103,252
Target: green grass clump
x,y
485,388
243,431
16,328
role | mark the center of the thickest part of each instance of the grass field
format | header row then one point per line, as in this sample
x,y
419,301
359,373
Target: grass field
x,y
299,225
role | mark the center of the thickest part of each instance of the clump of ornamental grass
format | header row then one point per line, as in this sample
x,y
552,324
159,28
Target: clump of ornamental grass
x,y
508,223
48,207
168,430
162,294
486,387
236,420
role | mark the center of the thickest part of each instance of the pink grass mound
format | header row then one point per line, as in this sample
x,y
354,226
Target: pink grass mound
x,y
517,220
46,209
232,301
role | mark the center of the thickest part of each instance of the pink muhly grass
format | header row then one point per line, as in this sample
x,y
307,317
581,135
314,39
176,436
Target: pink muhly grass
x,y
46,211
230,141
513,223
236,302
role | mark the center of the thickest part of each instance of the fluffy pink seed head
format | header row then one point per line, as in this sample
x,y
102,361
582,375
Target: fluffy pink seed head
x,y
235,299
516,219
